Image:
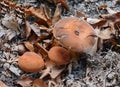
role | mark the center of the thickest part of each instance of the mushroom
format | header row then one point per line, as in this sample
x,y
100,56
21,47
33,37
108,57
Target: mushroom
x,y
74,34
59,55
31,62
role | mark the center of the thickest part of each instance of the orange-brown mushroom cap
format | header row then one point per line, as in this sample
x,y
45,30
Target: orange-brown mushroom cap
x,y
74,34
59,55
31,62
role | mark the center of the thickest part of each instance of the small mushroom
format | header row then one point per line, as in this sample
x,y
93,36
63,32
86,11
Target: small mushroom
x,y
59,55
31,62
74,34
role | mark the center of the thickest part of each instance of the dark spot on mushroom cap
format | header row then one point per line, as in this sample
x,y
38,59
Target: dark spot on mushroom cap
x,y
77,32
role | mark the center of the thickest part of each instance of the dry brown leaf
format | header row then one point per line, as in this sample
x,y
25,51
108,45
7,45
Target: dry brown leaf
x,y
48,43
27,29
95,47
97,23
35,28
11,4
102,7
37,12
47,12
4,7
10,35
32,38
110,11
117,25
112,20
29,46
19,14
63,3
43,28
57,14
42,50
93,20
104,34
80,14
25,81
112,17
40,14
42,37
39,83
52,84
108,22
53,71
27,12
2,84
10,22
45,72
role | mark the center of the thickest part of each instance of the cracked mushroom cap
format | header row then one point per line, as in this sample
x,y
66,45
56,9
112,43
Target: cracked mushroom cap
x,y
31,62
59,55
74,34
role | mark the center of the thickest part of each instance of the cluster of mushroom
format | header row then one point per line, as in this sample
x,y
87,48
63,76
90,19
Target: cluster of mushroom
x,y
72,34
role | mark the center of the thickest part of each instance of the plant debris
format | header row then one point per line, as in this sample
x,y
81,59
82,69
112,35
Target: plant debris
x,y
59,43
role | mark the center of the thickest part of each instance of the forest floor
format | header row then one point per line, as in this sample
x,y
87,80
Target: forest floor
x,y
99,70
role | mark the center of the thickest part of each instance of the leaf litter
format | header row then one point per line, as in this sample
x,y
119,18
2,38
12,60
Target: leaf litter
x,y
29,27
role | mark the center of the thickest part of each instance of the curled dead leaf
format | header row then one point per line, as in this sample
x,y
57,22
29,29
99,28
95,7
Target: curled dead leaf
x,y
63,3
112,17
39,83
11,4
27,29
43,28
110,11
40,14
57,14
46,11
53,71
25,81
29,46
4,7
42,50
97,22
104,34
35,28
10,35
80,14
102,7
10,22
